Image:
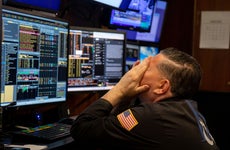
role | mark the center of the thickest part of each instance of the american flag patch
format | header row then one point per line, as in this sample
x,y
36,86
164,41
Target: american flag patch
x,y
127,120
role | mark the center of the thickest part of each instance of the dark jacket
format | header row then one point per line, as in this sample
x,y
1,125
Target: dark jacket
x,y
171,124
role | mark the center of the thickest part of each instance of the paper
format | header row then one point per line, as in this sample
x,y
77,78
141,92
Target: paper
x,y
215,29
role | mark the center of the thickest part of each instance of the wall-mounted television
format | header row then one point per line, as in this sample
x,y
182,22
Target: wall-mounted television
x,y
33,58
96,58
154,35
137,17
116,4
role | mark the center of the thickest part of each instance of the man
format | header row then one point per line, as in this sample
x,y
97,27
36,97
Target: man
x,y
163,118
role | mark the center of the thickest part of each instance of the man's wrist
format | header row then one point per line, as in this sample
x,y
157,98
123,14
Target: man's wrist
x,y
114,96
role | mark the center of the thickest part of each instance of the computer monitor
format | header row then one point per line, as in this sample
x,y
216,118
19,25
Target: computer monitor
x,y
96,58
154,35
138,16
148,50
33,58
132,54
52,6
116,4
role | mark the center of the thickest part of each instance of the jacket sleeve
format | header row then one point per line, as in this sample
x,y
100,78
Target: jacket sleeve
x,y
90,125
101,128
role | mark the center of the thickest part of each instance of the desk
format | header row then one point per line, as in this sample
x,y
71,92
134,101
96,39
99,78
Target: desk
x,y
57,144
60,144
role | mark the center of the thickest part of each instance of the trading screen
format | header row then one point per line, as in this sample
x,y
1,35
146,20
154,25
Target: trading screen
x,y
34,58
96,58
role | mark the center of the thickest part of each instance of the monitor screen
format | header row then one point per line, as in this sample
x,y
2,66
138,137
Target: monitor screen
x,y
96,58
44,5
154,34
117,4
137,17
132,55
33,58
149,50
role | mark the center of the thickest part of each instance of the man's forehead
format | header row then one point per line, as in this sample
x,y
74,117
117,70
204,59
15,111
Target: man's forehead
x,y
157,57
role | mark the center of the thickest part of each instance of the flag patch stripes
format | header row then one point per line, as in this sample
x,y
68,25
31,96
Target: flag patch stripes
x,y
127,119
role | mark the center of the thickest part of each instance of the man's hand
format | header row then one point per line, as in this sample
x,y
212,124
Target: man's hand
x,y
129,85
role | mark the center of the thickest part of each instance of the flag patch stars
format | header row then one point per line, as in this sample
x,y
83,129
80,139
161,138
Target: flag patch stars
x,y
127,120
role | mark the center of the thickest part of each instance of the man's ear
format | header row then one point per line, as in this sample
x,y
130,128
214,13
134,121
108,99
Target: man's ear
x,y
163,87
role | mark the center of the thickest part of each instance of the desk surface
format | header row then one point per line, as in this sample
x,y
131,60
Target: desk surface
x,y
34,146
59,143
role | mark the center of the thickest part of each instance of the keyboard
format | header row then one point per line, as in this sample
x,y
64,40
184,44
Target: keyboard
x,y
44,133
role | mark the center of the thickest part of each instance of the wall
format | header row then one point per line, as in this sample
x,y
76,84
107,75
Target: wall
x,y
214,61
178,27
215,88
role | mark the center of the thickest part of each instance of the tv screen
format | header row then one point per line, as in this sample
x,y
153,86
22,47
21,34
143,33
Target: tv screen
x,y
137,17
148,50
96,58
132,55
154,35
43,5
117,4
33,58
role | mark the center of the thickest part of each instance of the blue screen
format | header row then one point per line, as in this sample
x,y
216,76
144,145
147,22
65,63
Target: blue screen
x,y
138,17
154,34
49,5
146,51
